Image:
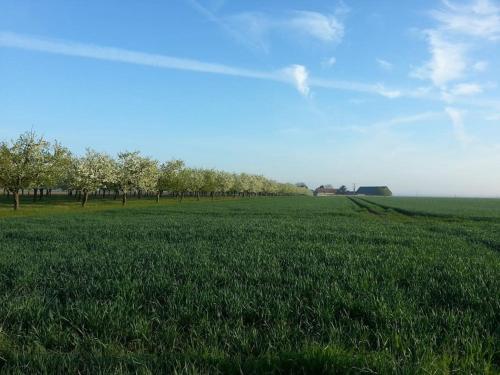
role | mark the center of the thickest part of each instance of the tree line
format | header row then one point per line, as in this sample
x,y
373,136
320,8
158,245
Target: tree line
x,y
31,163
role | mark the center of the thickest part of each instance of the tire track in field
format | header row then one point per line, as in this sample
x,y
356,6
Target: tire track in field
x,y
472,239
364,206
431,215
408,213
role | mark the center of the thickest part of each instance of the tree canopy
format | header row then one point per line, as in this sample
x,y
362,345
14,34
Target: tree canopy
x,y
31,162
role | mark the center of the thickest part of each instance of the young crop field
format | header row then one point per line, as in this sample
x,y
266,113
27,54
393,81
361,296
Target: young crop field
x,y
251,285
472,208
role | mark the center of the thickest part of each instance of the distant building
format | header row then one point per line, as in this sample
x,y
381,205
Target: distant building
x,y
325,191
374,190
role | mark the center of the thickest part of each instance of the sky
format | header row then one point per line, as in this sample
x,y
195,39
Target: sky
x,y
396,93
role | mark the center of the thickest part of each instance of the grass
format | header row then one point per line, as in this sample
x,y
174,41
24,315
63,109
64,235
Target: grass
x,y
262,285
58,204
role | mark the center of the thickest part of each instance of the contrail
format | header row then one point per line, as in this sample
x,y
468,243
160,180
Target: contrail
x,y
293,74
14,40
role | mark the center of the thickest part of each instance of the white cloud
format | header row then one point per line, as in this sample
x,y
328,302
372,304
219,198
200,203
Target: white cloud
x,y
480,18
324,27
257,27
387,92
252,36
456,117
466,89
480,66
451,40
401,120
378,89
461,89
299,76
448,60
384,64
328,63
375,128
250,27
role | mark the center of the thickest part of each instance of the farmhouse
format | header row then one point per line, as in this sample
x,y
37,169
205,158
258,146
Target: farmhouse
x,y
325,191
374,190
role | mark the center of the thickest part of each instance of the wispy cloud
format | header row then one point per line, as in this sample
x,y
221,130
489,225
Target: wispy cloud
x,y
480,18
324,27
378,127
480,66
459,30
448,60
253,28
401,120
459,90
384,64
378,89
297,75
8,39
450,40
456,117
388,93
466,89
328,63
300,77
258,27
251,38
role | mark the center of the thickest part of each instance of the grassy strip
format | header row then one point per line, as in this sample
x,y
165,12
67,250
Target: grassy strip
x,y
59,205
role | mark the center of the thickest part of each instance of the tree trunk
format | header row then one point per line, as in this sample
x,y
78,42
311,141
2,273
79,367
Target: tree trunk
x,y
116,195
41,194
124,198
16,199
158,194
35,194
85,198
197,195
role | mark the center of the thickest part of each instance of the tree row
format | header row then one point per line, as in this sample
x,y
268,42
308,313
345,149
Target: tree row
x,y
31,163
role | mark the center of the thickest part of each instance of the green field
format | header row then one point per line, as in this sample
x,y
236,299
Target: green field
x,y
258,285
471,208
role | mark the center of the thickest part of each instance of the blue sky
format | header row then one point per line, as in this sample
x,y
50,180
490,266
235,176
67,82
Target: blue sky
x,y
403,94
